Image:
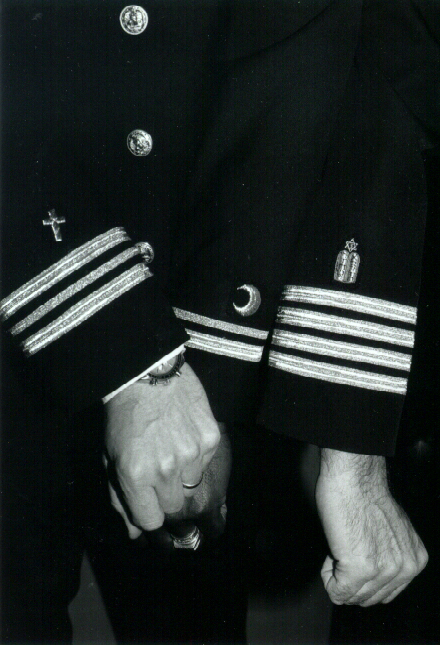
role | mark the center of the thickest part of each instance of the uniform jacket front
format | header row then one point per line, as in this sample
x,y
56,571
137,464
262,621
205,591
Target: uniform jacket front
x,y
269,153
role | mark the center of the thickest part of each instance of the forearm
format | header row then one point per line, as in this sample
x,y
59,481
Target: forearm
x,y
364,471
374,550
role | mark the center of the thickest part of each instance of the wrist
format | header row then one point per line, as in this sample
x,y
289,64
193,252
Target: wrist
x,y
165,371
164,367
349,469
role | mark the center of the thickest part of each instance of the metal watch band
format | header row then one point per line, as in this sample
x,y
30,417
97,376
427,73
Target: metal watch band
x,y
164,379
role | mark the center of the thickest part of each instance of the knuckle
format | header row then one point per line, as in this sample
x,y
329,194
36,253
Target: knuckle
x,y
211,439
191,452
409,570
394,568
130,467
424,558
136,471
167,466
371,571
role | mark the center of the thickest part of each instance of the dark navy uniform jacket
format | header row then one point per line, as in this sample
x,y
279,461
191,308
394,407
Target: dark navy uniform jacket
x,y
269,153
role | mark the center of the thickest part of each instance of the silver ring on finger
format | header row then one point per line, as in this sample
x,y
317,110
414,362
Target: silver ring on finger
x,y
192,486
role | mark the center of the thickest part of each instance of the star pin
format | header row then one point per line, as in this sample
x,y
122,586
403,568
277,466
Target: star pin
x,y
347,263
351,245
54,221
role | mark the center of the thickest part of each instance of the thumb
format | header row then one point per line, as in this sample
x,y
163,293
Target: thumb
x,y
329,580
327,570
339,585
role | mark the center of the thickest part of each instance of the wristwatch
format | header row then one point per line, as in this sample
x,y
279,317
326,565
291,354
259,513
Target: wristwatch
x,y
162,374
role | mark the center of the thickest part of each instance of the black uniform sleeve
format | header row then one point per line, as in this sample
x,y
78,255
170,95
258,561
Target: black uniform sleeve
x,y
96,315
340,352
83,301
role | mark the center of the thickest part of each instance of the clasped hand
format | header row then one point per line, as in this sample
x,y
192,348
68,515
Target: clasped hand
x,y
158,437
375,551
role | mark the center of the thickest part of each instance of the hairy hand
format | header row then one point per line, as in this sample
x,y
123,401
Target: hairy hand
x,y
375,551
158,437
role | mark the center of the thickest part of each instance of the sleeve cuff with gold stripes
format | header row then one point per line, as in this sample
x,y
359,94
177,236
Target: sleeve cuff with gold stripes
x,y
222,338
73,289
344,338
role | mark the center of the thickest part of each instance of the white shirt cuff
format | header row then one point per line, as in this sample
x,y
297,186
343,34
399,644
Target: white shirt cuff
x,y
164,359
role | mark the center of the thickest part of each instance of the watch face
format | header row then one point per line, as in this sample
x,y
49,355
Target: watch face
x,y
163,373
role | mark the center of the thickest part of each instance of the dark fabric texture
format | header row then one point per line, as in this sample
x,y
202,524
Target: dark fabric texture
x,y
373,189
251,114
202,597
280,130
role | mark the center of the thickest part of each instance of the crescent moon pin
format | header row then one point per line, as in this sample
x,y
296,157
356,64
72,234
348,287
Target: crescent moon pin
x,y
254,300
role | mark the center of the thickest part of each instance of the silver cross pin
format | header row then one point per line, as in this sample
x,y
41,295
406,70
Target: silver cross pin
x,y
54,221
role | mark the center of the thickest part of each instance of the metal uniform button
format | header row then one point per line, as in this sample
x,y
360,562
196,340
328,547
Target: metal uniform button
x,y
139,143
253,303
146,250
134,19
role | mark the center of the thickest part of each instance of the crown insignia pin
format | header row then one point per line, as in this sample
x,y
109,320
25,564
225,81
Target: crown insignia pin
x,y
347,263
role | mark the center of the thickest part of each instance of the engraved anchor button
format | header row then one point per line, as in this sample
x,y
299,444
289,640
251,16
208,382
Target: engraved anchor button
x,y
139,143
54,221
133,19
